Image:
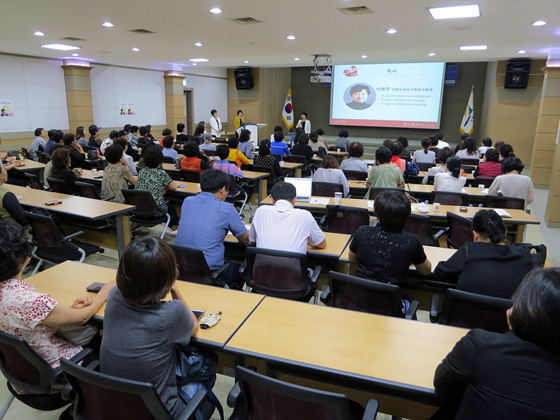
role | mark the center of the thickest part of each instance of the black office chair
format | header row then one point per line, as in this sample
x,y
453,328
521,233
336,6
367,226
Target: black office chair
x,y
236,194
375,191
270,179
421,226
341,219
486,181
256,396
305,171
146,209
325,189
424,167
280,274
459,231
60,186
33,181
97,396
469,169
43,157
25,153
52,246
193,268
88,190
365,295
471,310
26,370
502,202
167,159
190,175
355,175
449,198
470,161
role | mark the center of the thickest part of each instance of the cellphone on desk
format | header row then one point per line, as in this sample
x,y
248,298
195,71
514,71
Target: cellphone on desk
x,y
198,313
95,287
53,202
182,186
98,177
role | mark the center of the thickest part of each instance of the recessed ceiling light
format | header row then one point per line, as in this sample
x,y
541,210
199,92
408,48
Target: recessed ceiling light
x,y
75,55
216,10
364,56
39,33
432,54
291,37
473,47
60,47
455,12
135,49
521,52
539,23
199,60
296,59
108,24
194,64
391,31
246,62
198,44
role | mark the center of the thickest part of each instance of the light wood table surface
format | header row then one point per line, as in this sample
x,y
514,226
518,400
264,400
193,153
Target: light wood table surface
x,y
27,165
67,281
358,346
418,189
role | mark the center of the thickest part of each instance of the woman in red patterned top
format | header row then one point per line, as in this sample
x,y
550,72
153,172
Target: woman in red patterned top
x,y
491,167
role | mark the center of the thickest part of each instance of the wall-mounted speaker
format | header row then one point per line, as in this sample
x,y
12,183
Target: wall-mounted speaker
x,y
243,78
517,73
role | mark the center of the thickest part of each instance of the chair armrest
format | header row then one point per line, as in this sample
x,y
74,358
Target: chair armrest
x,y
107,198
67,393
434,310
412,310
66,238
80,356
325,295
193,405
219,271
316,273
233,395
243,267
58,378
371,410
322,221
441,232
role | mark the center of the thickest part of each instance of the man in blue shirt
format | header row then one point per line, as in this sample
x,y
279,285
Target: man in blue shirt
x,y
205,221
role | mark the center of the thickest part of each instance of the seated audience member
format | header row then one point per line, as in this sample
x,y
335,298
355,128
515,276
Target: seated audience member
x,y
210,210
38,143
94,139
80,136
433,145
133,136
108,141
164,133
512,375
61,168
207,145
149,131
10,208
329,172
384,174
245,145
512,183
121,141
498,145
141,164
284,228
441,144
278,147
191,160
37,317
461,142
354,161
224,165
181,136
302,147
487,266
425,155
143,136
142,332
469,149
506,151
316,144
405,153
168,150
131,149
235,155
384,252
396,149
264,159
486,145
156,181
277,129
321,137
117,175
491,166
443,155
77,155
451,180
342,141
55,137
200,131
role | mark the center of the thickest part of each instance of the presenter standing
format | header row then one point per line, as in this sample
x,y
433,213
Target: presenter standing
x,y
304,123
239,120
215,124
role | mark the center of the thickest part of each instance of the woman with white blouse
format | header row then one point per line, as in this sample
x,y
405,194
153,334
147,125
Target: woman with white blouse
x,y
450,180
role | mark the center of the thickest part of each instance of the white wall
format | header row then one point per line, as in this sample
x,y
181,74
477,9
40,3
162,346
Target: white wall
x,y
36,89
209,92
112,85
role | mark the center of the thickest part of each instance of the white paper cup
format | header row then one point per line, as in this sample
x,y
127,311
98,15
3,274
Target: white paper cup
x,y
436,206
281,163
337,198
337,150
94,171
481,187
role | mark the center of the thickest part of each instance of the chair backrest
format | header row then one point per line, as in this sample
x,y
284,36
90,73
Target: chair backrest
x,y
264,395
325,189
277,157
501,202
449,198
470,161
364,295
87,190
460,230
341,219
277,273
60,186
43,158
99,396
355,175
33,181
298,159
423,166
210,152
468,168
192,265
375,191
25,153
234,188
46,234
484,180
190,176
470,310
270,179
22,366
421,226
143,200
168,159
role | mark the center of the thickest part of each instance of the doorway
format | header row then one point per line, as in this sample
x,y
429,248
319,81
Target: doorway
x,y
188,105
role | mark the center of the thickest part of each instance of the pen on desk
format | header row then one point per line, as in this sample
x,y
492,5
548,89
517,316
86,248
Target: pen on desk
x,y
219,313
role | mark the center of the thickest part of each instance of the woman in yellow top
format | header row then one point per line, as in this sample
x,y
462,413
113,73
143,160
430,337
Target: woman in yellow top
x,y
235,155
240,119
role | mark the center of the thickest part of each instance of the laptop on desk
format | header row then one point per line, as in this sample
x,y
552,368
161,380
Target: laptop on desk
x,y
303,188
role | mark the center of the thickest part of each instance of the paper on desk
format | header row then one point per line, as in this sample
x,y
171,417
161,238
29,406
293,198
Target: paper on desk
x,y
502,213
320,200
370,204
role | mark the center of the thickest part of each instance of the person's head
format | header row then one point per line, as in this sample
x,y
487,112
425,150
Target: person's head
x,y
199,130
239,113
134,129
147,271
359,93
487,141
303,139
15,250
123,134
403,141
395,148
320,132
329,162
489,226
207,138
57,136
444,154
264,149
283,191
278,136
40,131
491,155
68,139
506,151
60,159
433,140
80,132
512,164
190,149
454,166
143,131
113,134
121,141
244,136
153,157
166,132
278,128
113,154
214,181
214,113
470,145
303,116
222,151
167,142
127,128
343,133
387,142
383,155
355,149
392,209
439,135
499,145
463,137
425,143
233,143
180,127
92,130
314,137
148,128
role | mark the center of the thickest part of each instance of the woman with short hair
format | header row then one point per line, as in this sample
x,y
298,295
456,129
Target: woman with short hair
x,y
384,174
491,166
354,161
329,172
61,168
512,183
342,141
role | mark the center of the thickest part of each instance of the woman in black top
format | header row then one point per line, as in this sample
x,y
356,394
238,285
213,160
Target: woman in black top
x,y
60,168
487,266
265,159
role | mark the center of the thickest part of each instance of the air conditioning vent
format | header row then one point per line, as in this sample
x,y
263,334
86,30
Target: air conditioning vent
x,y
141,31
72,38
358,10
460,28
246,21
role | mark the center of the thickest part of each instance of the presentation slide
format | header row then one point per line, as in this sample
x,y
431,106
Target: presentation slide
x,y
387,95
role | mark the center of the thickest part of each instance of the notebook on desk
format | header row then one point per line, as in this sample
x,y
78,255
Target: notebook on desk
x,y
303,188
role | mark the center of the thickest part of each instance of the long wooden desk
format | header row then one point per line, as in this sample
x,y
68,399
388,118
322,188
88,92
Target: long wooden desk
x,y
29,165
69,280
85,208
420,191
